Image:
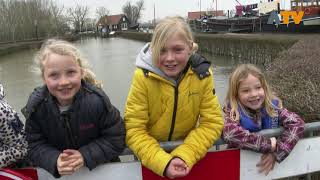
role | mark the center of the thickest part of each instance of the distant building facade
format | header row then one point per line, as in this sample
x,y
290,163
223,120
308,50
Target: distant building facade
x,y
118,22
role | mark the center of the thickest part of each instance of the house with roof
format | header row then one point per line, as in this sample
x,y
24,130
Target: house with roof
x,y
118,22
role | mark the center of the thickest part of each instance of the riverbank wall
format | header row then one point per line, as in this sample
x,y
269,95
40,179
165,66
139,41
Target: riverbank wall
x,y
14,46
252,48
11,47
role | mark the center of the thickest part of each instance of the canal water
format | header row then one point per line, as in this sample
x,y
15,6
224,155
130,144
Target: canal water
x,y
111,59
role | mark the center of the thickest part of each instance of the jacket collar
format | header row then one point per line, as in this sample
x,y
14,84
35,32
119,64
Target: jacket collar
x,y
200,65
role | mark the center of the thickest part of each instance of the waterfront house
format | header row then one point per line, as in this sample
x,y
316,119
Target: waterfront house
x,y
110,23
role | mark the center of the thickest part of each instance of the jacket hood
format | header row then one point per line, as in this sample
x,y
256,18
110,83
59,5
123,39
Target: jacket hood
x,y
144,61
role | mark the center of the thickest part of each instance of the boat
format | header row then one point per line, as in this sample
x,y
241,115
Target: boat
x,y
256,18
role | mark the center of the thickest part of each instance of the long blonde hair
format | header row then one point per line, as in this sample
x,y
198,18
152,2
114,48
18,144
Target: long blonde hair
x,y
165,29
240,74
64,48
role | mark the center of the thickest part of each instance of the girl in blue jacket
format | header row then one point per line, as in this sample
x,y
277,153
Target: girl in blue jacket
x,y
70,122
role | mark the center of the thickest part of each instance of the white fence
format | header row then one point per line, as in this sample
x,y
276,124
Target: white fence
x,y
304,159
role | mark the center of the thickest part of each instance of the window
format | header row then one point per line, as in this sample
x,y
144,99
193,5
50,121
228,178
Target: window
x,y
124,26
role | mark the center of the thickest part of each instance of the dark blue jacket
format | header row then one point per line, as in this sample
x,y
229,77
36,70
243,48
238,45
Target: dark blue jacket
x,y
92,125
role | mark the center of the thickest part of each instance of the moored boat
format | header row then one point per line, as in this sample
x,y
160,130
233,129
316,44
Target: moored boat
x,y
252,19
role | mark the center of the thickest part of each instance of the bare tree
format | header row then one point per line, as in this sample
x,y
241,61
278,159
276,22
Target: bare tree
x,y
28,19
133,12
56,17
10,16
102,11
78,15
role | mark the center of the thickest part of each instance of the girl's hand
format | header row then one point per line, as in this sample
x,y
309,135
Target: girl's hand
x,y
266,163
63,164
69,161
76,159
177,168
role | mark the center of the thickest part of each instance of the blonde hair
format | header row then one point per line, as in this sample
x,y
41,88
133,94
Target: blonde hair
x,y
165,29
64,48
240,74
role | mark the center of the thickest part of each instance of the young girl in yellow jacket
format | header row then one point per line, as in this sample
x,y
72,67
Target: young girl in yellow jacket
x,y
172,97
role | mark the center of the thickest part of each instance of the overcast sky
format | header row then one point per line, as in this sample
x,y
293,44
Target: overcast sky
x,y
163,7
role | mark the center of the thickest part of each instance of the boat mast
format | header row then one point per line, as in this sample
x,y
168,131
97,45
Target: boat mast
x,y
154,14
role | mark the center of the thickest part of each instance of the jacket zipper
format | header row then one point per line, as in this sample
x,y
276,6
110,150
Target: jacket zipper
x,y
69,130
176,88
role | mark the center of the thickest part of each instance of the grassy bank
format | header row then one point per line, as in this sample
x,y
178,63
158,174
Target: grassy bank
x,y
295,76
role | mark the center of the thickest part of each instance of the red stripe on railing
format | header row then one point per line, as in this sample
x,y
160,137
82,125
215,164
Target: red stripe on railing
x,y
216,165
24,173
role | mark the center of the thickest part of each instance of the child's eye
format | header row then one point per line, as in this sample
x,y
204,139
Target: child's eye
x,y
179,49
71,72
53,75
163,51
245,90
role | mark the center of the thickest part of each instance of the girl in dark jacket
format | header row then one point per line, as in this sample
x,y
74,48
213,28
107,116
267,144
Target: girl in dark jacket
x,y
70,122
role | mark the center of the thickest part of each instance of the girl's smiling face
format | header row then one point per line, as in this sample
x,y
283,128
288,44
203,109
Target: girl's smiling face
x,y
174,56
251,93
62,75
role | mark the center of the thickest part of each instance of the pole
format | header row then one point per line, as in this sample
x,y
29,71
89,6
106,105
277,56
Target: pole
x,y
37,31
216,8
36,26
154,15
200,10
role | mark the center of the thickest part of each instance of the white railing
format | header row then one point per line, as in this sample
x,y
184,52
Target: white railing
x,y
303,159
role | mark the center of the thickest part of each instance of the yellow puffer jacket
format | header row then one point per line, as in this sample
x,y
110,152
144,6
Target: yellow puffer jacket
x,y
149,118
